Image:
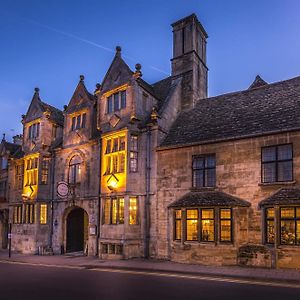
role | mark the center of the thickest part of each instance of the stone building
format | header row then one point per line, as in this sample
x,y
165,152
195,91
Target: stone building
x,y
160,170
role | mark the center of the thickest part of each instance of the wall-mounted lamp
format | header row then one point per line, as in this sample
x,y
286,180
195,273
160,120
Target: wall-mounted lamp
x,y
112,182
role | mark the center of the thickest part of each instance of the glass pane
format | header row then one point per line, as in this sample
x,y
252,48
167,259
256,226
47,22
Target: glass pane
x,y
114,212
270,232
78,122
108,147
198,163
225,213
192,213
43,214
208,231
109,105
83,120
225,231
123,99
270,213
210,177
116,102
122,143
285,152
210,161
268,154
198,178
178,214
192,230
108,165
133,211
134,144
285,171
121,163
121,211
207,213
269,172
178,230
107,212
115,164
115,145
287,212
288,232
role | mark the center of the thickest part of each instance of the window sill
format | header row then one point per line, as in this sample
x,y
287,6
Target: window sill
x,y
277,183
204,188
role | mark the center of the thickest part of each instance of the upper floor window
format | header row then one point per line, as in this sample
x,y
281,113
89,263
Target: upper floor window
x,y
133,153
75,169
45,171
115,155
78,121
204,171
31,171
34,131
54,131
116,101
277,163
4,163
19,174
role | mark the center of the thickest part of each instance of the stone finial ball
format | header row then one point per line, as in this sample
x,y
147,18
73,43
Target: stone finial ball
x,y
138,67
36,89
98,86
81,77
118,48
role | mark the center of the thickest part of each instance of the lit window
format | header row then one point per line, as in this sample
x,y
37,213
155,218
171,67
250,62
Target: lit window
x,y
204,171
114,211
270,229
290,225
29,214
192,224
207,225
277,163
116,101
43,213
177,231
133,211
45,170
225,225
17,214
31,171
133,155
75,169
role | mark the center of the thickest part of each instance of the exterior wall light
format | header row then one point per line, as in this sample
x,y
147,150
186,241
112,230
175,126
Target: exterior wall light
x,y
112,182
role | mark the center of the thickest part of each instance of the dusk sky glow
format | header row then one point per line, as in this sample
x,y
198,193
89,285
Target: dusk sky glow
x,y
48,44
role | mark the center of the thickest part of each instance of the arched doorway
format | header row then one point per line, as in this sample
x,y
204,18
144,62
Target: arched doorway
x,y
77,230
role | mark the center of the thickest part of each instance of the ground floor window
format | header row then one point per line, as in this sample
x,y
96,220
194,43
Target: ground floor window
x,y
114,211
133,211
29,214
290,225
17,214
43,213
200,224
112,249
270,227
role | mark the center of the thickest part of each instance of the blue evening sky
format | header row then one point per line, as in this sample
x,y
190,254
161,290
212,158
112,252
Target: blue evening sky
x,y
50,43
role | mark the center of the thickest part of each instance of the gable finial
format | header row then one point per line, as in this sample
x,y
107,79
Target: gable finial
x,y
138,72
3,138
81,77
36,89
118,51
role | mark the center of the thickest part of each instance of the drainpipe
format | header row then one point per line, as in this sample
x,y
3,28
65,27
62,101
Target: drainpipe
x,y
99,200
147,200
52,197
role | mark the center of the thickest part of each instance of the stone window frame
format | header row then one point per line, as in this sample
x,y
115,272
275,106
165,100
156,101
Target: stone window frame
x,y
114,98
217,225
43,218
204,169
17,214
110,201
277,162
78,121
34,131
29,213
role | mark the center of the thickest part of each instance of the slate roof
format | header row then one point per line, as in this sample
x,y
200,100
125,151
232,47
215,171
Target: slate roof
x,y
285,196
208,198
258,82
161,90
14,150
271,108
55,114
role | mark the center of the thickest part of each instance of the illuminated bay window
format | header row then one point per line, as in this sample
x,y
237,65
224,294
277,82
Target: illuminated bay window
x,y
75,166
225,225
31,170
270,228
207,225
78,121
43,213
113,211
290,225
133,211
115,155
133,153
17,214
116,102
33,131
191,224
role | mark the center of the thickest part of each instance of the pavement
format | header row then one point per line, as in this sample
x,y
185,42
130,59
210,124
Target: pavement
x,y
158,266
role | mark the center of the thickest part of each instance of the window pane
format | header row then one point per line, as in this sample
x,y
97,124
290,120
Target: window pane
x,y
73,123
270,232
121,163
83,120
210,161
43,214
285,171
225,235
107,212
192,230
133,211
207,213
114,211
115,164
198,163
208,231
122,143
192,214
178,213
288,232
285,152
115,145
78,122
123,99
134,144
108,165
270,212
225,213
121,211
109,105
116,102
178,230
268,154
269,172
198,178
287,212
210,177
108,147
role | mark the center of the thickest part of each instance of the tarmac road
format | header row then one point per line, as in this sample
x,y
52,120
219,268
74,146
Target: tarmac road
x,y
25,281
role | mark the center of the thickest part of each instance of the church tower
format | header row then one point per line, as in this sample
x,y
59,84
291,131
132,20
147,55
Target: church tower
x,y
189,59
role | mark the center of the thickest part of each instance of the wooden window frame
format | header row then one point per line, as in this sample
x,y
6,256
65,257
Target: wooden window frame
x,y
295,219
204,169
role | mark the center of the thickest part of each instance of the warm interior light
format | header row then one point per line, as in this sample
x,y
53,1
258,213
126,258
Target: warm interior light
x,y
112,182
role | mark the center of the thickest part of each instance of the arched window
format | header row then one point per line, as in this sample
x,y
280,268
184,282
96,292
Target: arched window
x,y
75,166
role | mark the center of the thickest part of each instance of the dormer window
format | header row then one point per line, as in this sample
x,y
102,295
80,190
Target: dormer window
x,y
34,131
78,121
116,102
